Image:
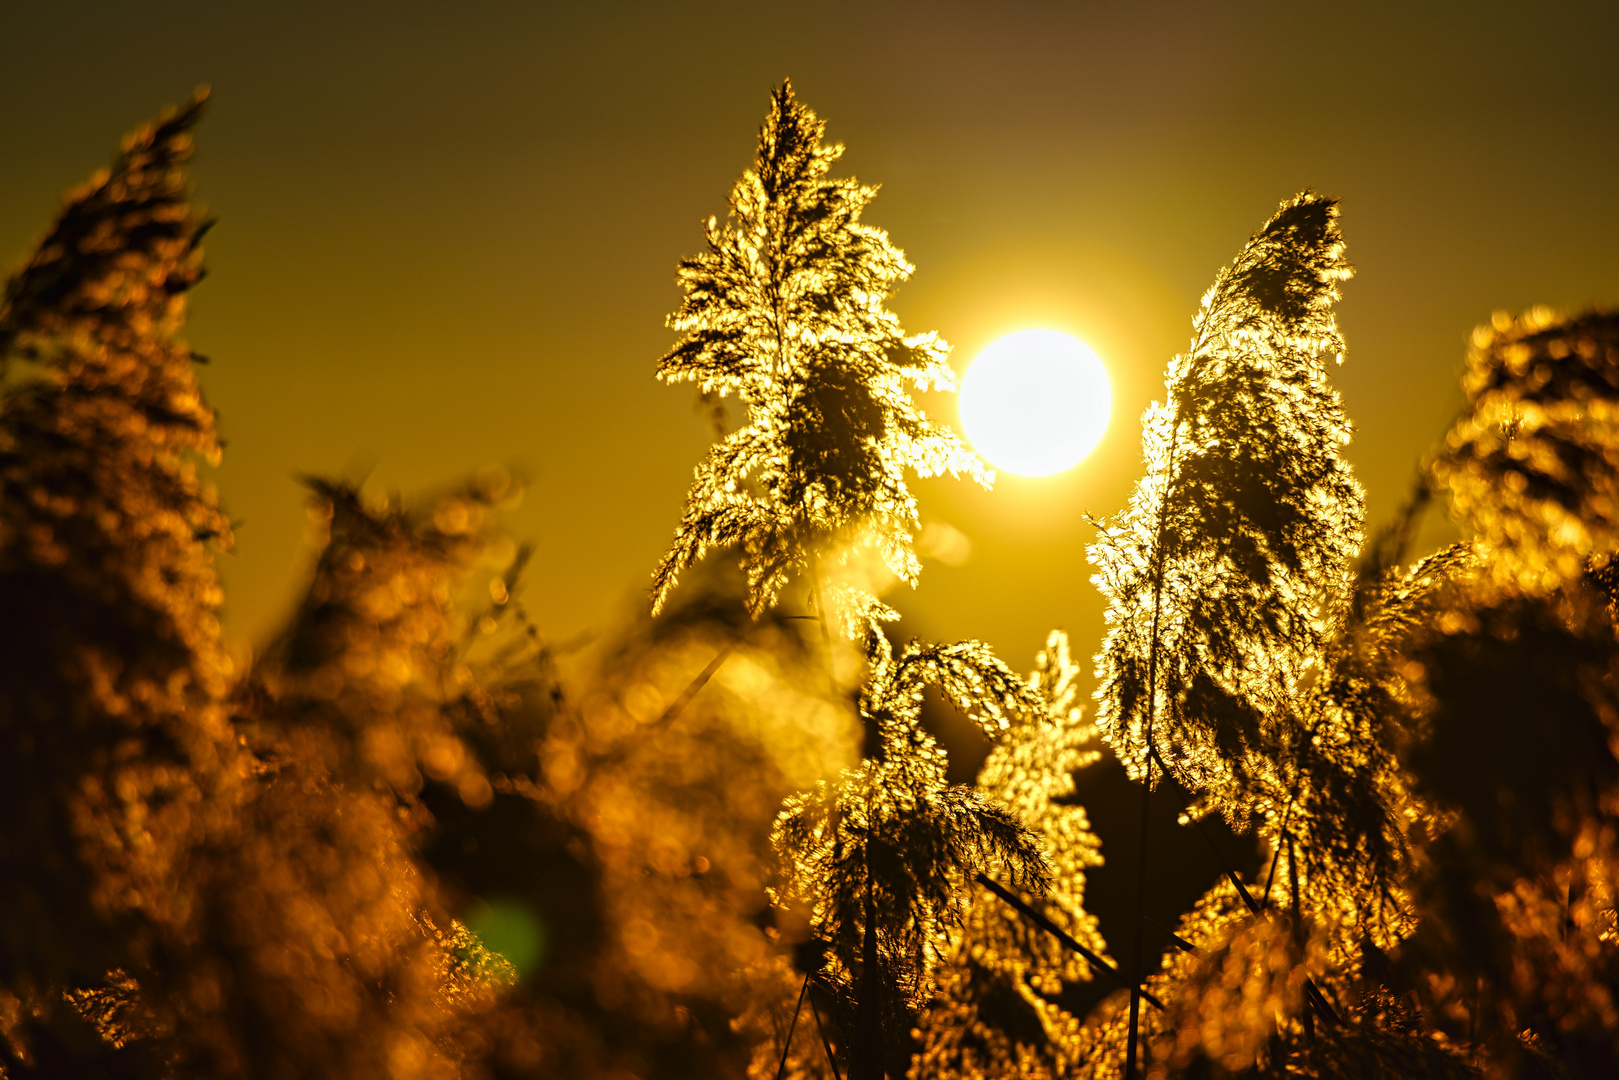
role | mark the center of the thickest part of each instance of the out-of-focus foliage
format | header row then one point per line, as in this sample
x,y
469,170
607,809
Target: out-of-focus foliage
x,y
1520,719
1517,711
999,1011
1228,569
675,766
1246,978
358,679
205,879
786,311
326,931
116,760
1532,465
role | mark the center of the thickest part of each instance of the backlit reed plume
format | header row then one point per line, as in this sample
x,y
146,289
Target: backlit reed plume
x,y
1224,574
1229,567
786,310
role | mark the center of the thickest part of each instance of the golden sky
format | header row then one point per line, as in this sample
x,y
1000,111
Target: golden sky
x,y
448,233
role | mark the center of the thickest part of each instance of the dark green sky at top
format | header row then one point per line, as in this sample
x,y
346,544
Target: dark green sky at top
x,y
448,232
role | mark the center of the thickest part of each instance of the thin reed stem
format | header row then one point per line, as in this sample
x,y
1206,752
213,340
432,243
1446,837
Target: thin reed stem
x,y
787,1043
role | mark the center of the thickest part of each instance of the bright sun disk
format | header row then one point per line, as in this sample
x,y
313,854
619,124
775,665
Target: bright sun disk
x,y
1036,402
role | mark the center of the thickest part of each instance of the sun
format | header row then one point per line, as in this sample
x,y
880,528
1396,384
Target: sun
x,y
1036,402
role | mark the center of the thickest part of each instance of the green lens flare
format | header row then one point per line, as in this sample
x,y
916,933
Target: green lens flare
x,y
512,929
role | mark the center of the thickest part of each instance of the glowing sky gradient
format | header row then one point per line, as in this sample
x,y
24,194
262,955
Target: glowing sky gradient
x,y
448,234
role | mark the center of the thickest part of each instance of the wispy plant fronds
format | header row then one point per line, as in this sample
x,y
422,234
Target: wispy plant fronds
x,y
1533,464
1382,1036
890,846
1236,987
470,975
1341,800
1231,563
1032,767
786,310
968,673
882,858
1237,1013
114,1008
997,1012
